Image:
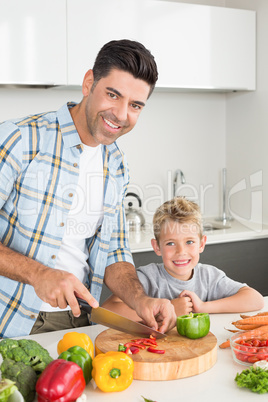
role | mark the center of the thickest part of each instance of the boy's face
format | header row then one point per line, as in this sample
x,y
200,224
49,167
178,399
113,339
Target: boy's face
x,y
179,246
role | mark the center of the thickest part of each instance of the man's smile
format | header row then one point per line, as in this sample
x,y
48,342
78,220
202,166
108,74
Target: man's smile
x,y
110,124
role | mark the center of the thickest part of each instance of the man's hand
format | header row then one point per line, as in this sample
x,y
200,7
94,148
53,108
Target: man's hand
x,y
60,288
158,314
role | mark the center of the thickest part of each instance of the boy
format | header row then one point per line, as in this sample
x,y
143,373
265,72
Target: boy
x,y
190,285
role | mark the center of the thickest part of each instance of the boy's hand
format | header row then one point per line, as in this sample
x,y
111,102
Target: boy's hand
x,y
197,303
182,305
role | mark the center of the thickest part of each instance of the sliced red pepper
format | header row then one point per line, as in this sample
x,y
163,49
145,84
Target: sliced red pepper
x,y
145,341
137,345
149,343
134,345
134,350
154,350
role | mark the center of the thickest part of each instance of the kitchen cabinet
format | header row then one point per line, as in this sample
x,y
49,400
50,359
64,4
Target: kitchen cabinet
x,y
33,42
243,261
196,47
91,25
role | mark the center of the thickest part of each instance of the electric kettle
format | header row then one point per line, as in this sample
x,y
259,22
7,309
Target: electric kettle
x,y
134,217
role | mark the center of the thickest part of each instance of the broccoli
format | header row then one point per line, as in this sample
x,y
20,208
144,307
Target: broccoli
x,y
6,345
27,351
24,376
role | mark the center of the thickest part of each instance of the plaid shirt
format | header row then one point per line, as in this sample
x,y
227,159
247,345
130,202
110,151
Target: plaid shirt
x,y
39,169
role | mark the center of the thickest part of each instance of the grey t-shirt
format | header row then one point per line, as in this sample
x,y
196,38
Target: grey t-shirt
x,y
208,282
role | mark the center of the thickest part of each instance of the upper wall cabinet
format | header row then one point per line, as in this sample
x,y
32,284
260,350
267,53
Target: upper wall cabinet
x,y
195,46
33,42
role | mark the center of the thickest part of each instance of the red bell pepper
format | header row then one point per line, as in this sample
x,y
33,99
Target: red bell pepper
x,y
60,381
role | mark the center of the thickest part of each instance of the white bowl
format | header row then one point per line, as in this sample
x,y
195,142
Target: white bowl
x,y
16,397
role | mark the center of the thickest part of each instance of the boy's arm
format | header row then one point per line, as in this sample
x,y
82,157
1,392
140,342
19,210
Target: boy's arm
x,y
246,299
116,305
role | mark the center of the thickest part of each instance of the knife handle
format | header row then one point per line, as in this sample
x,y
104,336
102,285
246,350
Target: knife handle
x,y
84,305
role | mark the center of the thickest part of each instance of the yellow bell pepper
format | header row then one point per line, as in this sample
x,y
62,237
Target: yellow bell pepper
x,y
112,371
76,339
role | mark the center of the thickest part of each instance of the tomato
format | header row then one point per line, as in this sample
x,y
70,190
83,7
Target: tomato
x,y
262,356
251,350
255,342
244,348
253,359
242,357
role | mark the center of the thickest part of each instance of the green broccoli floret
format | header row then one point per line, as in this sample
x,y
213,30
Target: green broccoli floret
x,y
27,351
24,376
6,346
39,356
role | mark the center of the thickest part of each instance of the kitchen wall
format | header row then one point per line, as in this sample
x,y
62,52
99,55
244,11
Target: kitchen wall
x,y
199,133
246,130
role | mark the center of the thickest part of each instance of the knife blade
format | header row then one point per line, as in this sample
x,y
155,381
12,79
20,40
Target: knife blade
x,y
113,320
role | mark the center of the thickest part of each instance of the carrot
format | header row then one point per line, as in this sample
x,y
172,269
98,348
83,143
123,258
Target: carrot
x,y
263,313
225,345
261,331
257,319
246,327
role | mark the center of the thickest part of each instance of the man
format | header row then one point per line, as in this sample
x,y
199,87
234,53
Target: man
x,y
62,184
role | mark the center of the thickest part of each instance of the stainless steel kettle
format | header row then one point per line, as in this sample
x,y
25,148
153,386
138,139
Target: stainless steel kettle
x,y
134,217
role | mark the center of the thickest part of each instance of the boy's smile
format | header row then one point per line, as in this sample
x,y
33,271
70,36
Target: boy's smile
x,y
180,246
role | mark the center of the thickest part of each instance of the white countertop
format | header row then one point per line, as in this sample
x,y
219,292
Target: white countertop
x,y
216,384
141,241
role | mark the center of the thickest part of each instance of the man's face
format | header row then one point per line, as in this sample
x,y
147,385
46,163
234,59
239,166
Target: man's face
x,y
112,107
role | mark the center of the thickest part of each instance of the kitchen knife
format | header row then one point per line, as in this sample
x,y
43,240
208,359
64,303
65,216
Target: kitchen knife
x,y
110,319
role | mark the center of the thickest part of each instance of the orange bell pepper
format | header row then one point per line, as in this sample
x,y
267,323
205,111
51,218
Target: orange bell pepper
x,y
76,339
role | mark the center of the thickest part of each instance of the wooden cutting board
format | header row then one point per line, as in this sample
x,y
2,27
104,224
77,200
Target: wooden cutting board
x,y
183,357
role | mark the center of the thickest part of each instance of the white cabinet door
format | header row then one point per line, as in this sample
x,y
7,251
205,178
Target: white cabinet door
x,y
93,23
196,47
201,46
33,42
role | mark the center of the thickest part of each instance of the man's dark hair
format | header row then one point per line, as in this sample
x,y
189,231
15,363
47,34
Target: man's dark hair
x,y
129,56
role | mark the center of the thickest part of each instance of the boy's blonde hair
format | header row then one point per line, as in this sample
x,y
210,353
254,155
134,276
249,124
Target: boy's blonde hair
x,y
179,209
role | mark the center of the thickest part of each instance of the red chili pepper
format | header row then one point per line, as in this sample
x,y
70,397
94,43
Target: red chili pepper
x,y
153,350
60,381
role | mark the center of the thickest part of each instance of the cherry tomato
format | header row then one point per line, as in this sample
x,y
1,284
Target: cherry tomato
x,y
255,342
253,359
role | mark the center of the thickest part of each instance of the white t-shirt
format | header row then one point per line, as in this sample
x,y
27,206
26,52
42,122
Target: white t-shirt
x,y
84,217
